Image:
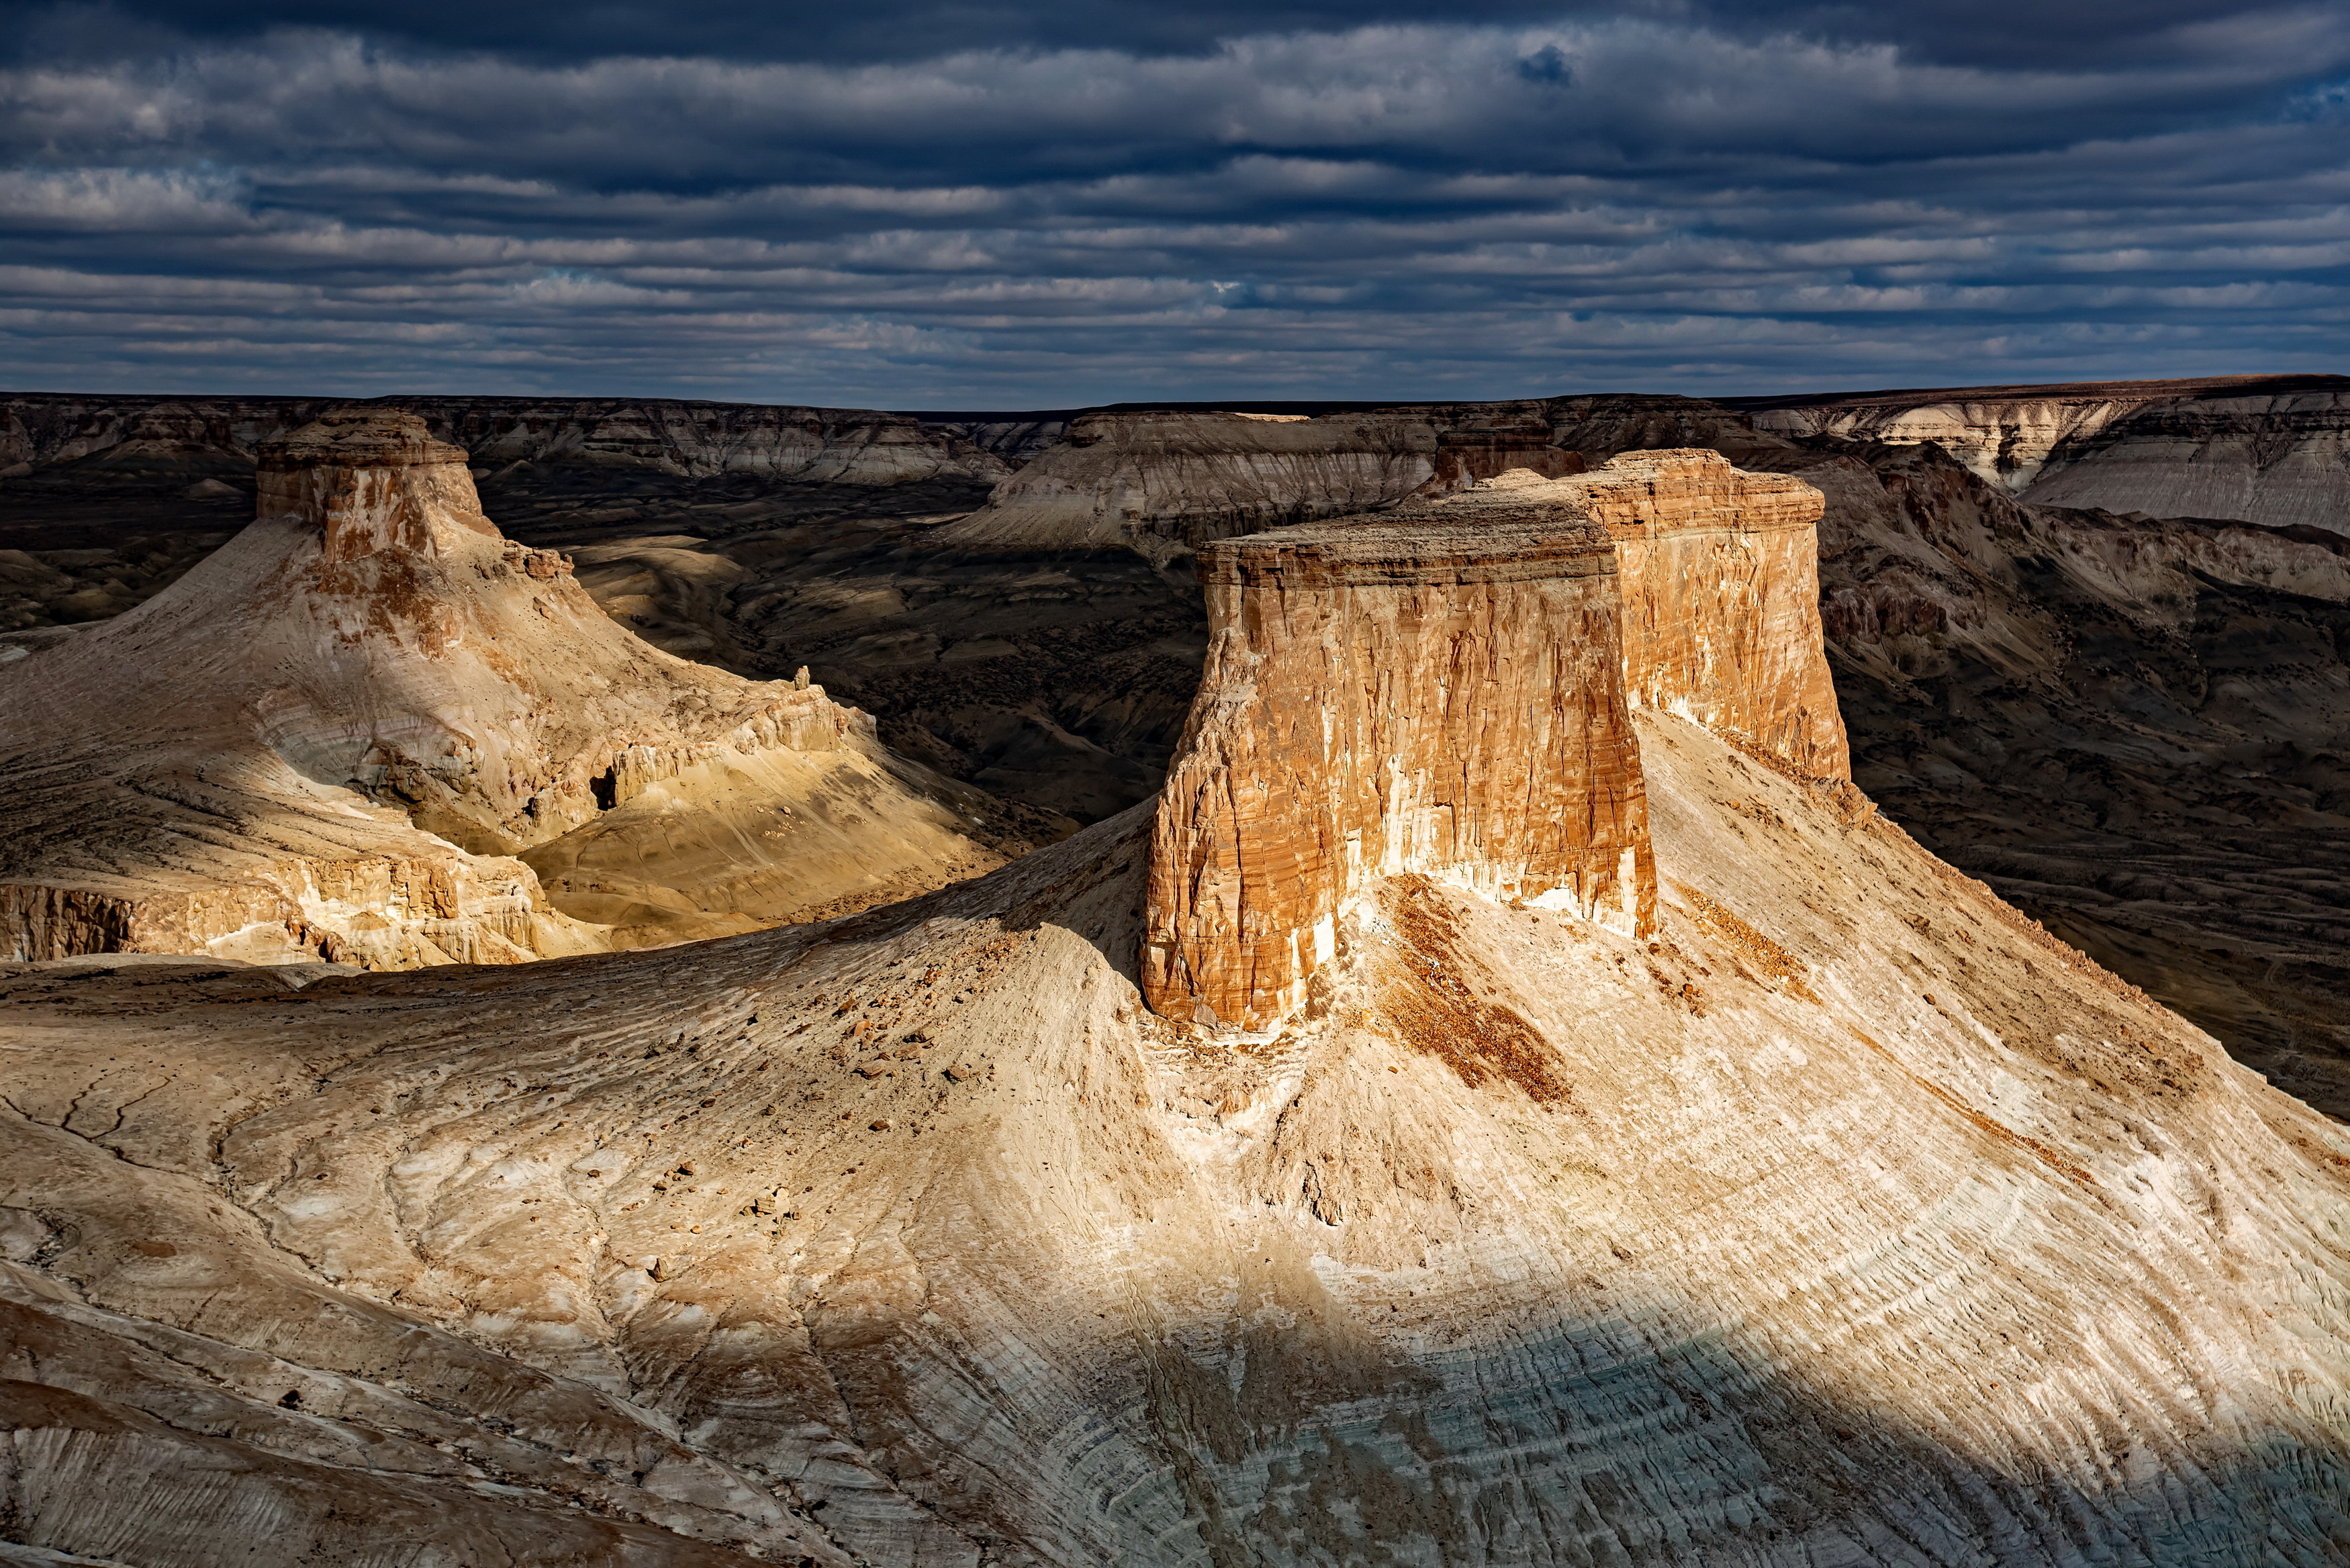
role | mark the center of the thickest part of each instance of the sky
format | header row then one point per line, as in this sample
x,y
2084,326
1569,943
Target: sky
x,y
975,204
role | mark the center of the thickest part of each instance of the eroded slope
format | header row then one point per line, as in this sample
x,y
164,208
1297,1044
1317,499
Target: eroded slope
x,y
1849,1219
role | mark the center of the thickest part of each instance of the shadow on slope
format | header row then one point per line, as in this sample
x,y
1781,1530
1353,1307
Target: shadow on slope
x,y
890,1238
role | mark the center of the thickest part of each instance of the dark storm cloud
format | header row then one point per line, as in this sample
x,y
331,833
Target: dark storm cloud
x,y
967,203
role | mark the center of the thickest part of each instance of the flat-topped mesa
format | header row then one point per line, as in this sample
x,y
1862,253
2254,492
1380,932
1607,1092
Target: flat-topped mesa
x,y
1425,694
1447,690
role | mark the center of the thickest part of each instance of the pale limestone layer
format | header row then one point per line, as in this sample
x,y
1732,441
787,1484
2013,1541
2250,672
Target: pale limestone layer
x,y
2005,441
334,736
1846,1219
1445,689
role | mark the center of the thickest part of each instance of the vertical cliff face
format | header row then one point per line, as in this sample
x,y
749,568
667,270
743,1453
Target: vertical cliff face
x,y
1424,696
1445,691
372,484
1720,577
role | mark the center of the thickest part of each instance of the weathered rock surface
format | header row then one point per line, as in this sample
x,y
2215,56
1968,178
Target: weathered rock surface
x,y
2132,726
1445,691
1161,482
1719,575
1845,1220
2272,450
2135,726
345,733
1434,693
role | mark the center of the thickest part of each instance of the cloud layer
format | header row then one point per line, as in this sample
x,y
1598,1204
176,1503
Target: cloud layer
x,y
911,209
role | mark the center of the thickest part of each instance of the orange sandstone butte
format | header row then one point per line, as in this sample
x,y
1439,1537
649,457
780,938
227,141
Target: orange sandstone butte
x,y
1446,690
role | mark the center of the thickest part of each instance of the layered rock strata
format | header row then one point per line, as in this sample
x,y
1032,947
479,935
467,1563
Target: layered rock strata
x,y
1164,482
1720,583
1383,698
174,441
2271,449
339,734
1446,690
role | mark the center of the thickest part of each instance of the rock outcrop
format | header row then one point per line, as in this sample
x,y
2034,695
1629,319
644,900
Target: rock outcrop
x,y
2271,449
1163,483
1445,691
1384,697
343,734
2131,722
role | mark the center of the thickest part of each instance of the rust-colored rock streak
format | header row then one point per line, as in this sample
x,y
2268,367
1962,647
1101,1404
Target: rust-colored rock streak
x,y
1444,690
1416,696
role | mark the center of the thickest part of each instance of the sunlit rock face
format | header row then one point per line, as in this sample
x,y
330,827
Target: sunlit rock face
x,y
1427,693
1844,1219
344,734
1719,571
1444,690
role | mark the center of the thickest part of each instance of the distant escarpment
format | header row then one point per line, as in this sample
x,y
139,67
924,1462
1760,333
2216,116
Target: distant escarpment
x,y
2272,450
1164,482
57,439
372,729
1446,690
